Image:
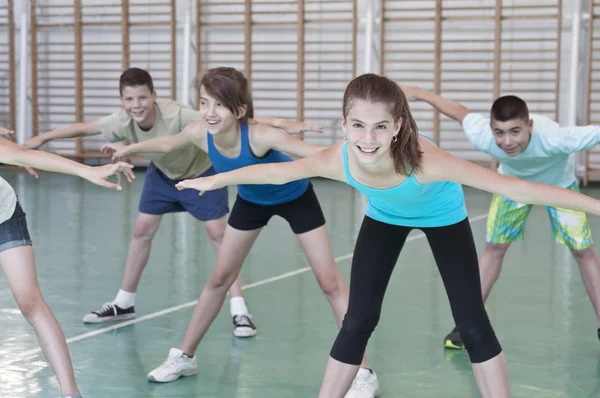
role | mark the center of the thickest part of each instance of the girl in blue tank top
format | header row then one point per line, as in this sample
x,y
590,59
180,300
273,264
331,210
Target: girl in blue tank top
x,y
410,183
233,141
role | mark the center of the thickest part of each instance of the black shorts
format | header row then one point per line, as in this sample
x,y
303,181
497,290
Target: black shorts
x,y
304,214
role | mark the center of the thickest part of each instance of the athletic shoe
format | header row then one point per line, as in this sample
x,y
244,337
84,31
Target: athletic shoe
x,y
365,385
243,326
454,341
177,365
109,313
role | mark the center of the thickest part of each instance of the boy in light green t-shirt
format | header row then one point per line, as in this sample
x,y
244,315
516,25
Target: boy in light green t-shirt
x,y
143,117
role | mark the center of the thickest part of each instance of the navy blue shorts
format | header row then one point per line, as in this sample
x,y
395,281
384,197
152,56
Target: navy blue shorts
x,y
13,232
160,196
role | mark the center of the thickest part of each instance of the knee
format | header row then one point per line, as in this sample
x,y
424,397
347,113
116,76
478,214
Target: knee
x,y
479,338
361,326
497,250
216,230
585,256
145,231
333,285
30,304
221,279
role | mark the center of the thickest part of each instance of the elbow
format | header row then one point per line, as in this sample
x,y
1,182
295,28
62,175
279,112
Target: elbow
x,y
521,191
16,156
277,177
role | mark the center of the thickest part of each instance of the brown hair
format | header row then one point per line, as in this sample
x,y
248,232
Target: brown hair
x,y
405,150
135,77
509,107
229,86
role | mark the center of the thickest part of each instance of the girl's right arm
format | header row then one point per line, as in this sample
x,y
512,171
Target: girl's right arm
x,y
326,163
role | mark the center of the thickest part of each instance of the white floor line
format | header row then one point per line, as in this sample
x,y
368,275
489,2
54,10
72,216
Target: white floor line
x,y
32,353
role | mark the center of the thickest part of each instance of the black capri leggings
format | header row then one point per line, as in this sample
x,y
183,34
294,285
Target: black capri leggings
x,y
375,255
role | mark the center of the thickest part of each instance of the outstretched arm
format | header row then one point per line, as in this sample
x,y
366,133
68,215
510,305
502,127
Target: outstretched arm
x,y
567,139
71,131
11,153
442,166
448,107
289,126
325,163
265,137
164,144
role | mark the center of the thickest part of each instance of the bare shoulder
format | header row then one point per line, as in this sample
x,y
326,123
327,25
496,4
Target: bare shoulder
x,y
196,131
258,132
436,162
330,161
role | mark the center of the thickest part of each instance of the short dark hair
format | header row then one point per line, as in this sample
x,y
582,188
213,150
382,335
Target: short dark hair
x,y
509,107
135,77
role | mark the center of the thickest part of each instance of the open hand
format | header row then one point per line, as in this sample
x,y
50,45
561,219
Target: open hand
x,y
201,184
118,151
99,174
6,133
294,127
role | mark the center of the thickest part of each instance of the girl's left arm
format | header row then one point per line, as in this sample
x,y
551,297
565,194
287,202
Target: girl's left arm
x,y
439,165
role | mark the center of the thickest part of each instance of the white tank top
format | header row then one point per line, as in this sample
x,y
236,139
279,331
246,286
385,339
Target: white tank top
x,y
8,200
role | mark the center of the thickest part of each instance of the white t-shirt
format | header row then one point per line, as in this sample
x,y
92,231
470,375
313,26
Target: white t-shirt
x,y
547,158
8,200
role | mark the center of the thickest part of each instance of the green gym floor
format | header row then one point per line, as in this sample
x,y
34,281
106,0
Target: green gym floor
x,y
81,234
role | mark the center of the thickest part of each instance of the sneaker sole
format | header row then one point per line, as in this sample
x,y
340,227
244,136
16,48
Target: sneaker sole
x,y
184,374
110,318
244,333
449,344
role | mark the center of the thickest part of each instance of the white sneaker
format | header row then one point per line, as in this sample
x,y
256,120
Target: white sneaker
x,y
176,365
365,385
243,326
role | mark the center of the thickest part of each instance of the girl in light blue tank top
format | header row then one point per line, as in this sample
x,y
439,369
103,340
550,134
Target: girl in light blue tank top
x,y
410,183
412,203
233,142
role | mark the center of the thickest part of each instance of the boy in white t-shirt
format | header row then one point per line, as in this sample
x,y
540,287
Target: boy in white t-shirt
x,y
533,148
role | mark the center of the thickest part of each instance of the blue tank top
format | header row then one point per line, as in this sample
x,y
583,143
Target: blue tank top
x,y
411,203
265,194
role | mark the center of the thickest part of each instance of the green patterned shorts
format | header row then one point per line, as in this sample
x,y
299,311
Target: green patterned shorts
x,y
506,223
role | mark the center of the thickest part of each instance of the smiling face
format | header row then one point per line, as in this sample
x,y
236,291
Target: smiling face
x,y
138,102
512,136
216,114
370,129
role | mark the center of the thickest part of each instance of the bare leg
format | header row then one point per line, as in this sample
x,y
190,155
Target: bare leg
x,y
146,226
490,265
589,267
235,247
338,377
18,265
492,377
216,231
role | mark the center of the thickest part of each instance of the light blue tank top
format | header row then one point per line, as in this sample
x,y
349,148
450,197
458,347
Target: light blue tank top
x,y
411,203
265,194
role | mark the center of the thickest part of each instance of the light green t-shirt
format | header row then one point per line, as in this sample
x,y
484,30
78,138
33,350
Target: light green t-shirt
x,y
8,200
171,118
